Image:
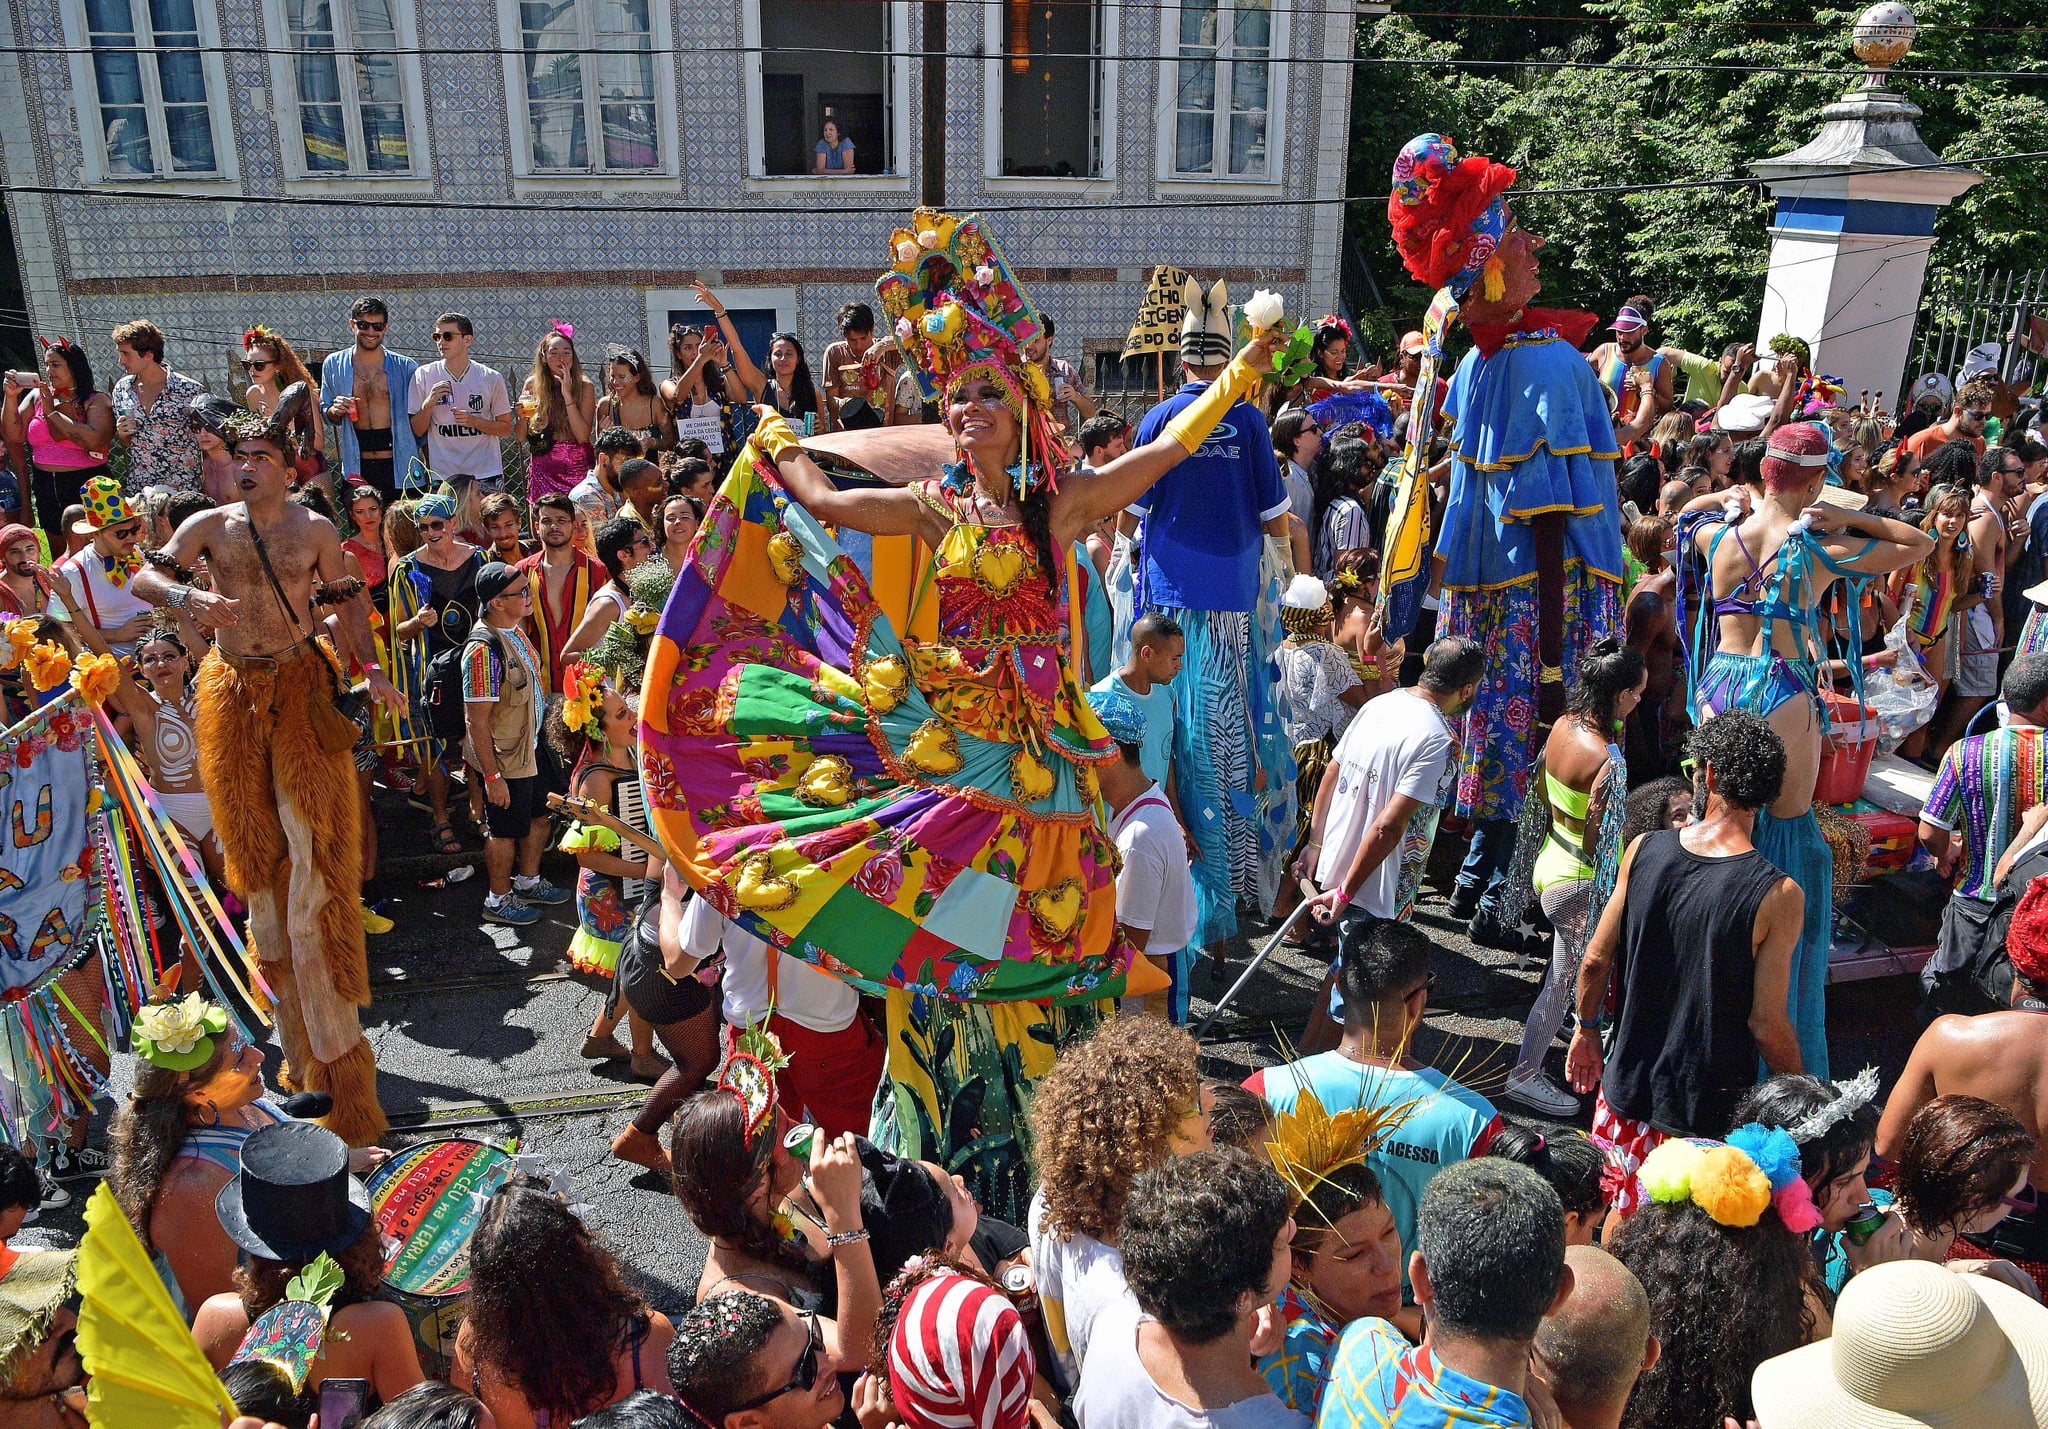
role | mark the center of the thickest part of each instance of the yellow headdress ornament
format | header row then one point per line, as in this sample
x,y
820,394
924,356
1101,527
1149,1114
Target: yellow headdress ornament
x,y
1311,1144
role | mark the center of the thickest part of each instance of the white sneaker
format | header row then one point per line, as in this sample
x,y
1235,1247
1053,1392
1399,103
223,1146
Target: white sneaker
x,y
1540,1093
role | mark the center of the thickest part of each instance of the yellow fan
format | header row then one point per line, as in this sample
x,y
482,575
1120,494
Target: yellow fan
x,y
145,1366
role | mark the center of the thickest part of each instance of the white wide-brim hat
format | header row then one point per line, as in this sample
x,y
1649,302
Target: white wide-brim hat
x,y
1915,1346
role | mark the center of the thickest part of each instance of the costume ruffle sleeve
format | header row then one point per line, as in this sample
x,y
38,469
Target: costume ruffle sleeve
x,y
1531,436
911,814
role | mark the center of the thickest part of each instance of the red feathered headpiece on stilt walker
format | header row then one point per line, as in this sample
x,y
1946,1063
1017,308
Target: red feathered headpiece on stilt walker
x,y
1447,215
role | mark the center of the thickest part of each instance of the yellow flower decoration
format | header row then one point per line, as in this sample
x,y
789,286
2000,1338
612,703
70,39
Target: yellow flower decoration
x,y
20,638
95,677
642,620
48,664
582,696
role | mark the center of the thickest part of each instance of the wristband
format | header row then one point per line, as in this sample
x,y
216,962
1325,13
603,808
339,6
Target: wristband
x,y
494,778
178,596
852,1237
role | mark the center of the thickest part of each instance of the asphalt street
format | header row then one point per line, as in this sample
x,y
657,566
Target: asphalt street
x,y
477,1030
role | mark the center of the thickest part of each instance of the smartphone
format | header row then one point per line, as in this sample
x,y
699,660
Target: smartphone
x,y
341,1402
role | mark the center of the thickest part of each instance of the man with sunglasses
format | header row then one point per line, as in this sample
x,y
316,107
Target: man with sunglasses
x,y
743,1361
1965,424
99,579
358,382
460,409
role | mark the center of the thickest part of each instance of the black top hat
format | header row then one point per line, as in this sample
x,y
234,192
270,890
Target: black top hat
x,y
293,1197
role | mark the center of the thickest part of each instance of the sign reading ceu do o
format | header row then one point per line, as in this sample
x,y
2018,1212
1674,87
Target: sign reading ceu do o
x,y
1159,315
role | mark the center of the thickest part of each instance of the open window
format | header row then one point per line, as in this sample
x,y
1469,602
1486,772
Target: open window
x,y
829,85
1054,86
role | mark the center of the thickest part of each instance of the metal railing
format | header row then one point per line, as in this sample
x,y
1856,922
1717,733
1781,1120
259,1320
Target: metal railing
x,y
1961,309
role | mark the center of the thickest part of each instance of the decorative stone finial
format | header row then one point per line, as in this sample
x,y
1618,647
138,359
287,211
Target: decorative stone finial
x,y
1883,35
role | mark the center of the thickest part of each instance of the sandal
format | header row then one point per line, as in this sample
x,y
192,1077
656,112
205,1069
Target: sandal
x,y
444,838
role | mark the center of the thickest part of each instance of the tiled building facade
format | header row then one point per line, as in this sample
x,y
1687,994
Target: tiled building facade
x,y
533,160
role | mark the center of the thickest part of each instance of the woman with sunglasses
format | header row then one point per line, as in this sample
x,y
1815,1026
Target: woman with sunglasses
x,y
68,427
632,401
272,366
178,1139
787,386
433,604
207,415
550,1330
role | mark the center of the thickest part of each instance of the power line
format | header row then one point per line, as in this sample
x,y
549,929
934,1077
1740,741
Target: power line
x,y
983,55
623,205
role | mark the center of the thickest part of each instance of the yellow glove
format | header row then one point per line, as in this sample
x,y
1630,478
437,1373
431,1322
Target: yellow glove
x,y
1199,418
774,438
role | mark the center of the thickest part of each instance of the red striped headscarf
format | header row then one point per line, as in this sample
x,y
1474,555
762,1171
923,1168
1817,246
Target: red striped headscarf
x,y
958,1358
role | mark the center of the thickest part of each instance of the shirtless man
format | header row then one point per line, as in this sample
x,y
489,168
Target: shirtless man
x,y
274,755
359,381
1999,1056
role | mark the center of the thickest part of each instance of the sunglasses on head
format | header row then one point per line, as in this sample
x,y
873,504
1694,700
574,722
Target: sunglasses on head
x,y
802,1377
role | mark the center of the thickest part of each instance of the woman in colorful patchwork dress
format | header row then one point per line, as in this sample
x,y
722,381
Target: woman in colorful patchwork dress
x,y
891,774
1756,647
1939,590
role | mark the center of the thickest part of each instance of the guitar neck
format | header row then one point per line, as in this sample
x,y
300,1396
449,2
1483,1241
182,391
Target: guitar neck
x,y
590,813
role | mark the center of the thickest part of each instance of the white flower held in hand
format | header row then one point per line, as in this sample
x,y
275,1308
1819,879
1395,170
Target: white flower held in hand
x,y
1264,310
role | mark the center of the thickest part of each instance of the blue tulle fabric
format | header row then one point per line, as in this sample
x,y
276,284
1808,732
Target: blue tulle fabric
x,y
1796,849
1532,435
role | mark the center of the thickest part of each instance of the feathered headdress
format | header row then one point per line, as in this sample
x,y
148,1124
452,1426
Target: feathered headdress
x,y
958,312
1448,216
1206,331
1311,1144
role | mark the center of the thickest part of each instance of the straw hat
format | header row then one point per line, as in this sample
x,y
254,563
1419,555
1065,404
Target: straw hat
x,y
1915,1347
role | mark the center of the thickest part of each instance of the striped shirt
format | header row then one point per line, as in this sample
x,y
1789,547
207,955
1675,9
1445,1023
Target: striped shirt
x,y
1985,783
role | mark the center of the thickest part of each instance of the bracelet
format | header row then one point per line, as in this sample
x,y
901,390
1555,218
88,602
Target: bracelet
x,y
178,596
494,778
164,563
1550,674
852,1237
337,592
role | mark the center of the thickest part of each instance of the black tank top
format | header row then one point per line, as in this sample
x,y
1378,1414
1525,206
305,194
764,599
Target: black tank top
x,y
1683,1053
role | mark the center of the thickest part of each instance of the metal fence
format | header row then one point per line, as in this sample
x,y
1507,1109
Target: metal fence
x,y
1961,309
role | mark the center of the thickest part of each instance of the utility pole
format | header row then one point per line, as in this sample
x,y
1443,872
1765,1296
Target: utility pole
x,y
932,190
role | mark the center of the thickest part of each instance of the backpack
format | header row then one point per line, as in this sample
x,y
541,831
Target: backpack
x,y
441,690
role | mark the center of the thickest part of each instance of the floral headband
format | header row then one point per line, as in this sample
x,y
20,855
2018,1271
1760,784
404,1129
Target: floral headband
x,y
178,1036
1329,321
1734,1181
582,696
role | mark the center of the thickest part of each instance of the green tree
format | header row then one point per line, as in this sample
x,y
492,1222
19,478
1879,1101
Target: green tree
x,y
1676,90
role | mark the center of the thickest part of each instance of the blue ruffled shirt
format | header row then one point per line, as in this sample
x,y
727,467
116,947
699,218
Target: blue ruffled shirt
x,y
1532,435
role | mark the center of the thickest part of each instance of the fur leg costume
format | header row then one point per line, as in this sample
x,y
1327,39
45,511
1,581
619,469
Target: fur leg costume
x,y
285,810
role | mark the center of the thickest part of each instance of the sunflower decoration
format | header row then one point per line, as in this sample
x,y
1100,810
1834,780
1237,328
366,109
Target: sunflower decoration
x,y
582,696
96,677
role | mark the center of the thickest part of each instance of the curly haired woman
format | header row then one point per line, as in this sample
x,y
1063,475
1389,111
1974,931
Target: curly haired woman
x,y
1111,1109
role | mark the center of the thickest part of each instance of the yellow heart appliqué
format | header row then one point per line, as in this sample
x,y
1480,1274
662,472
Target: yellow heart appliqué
x,y
826,783
934,749
786,557
1055,909
883,683
1030,780
759,887
996,568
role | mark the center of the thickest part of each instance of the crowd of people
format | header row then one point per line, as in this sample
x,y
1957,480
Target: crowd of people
x,y
899,900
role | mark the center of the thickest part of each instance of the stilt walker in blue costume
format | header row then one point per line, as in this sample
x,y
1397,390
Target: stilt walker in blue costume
x,y
1753,642
1203,560
1529,554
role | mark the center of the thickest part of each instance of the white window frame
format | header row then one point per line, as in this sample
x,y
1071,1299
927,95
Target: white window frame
x,y
1274,179
761,182
527,179
284,84
994,42
92,141
662,301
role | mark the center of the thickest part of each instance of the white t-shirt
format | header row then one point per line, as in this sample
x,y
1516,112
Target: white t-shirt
x,y
1399,743
98,599
804,995
1154,891
1118,1392
1077,1278
460,451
